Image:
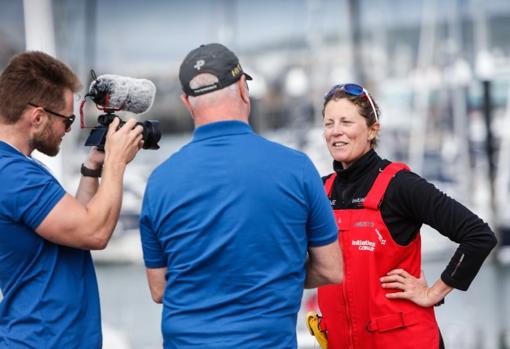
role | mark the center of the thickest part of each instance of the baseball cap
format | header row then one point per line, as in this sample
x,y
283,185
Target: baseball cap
x,y
214,59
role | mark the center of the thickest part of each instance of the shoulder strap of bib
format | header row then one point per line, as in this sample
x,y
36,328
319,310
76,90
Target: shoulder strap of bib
x,y
376,193
329,184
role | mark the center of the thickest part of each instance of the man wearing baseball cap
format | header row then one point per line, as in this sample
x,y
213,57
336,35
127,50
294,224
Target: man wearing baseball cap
x,y
233,225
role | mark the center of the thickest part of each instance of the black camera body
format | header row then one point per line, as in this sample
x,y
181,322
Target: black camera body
x,y
112,93
97,137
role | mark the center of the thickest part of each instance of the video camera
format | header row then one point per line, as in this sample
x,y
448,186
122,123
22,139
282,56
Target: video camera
x,y
113,93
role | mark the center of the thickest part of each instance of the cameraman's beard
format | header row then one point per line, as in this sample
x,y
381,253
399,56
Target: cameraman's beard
x,y
46,141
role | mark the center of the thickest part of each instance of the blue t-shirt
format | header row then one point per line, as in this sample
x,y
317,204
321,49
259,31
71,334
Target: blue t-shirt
x,y
50,295
231,215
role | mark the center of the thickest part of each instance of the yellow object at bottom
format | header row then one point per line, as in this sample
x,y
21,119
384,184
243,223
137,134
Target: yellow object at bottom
x,y
312,322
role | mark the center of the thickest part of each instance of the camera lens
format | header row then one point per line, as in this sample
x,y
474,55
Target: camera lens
x,y
151,134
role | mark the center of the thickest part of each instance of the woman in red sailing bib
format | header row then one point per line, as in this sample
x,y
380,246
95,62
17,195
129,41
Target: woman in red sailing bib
x,y
384,300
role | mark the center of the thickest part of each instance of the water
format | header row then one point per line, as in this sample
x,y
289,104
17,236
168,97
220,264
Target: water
x,y
127,305
468,320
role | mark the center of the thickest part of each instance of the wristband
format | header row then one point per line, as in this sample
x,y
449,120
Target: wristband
x,y
87,172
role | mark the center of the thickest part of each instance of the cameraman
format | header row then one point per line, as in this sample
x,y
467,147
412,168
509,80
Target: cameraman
x,y
50,294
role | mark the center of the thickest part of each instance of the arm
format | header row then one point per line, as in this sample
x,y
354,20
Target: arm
x,y
90,226
88,185
157,281
412,199
153,252
324,265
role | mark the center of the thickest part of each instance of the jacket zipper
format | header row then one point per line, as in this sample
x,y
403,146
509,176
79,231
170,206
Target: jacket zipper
x,y
347,311
458,265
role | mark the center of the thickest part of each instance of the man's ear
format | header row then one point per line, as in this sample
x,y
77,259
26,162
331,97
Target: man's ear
x,y
243,89
36,117
187,104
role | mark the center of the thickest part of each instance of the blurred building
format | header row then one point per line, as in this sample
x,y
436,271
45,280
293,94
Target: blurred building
x,y
375,42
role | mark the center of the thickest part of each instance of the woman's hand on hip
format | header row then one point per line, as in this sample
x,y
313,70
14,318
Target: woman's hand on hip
x,y
411,288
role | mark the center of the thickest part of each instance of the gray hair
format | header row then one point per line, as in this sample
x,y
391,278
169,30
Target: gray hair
x,y
211,98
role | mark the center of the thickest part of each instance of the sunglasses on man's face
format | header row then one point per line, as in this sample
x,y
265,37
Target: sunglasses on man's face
x,y
353,90
68,120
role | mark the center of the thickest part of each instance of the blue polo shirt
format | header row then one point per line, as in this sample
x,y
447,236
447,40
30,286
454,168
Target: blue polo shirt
x,y
231,215
50,295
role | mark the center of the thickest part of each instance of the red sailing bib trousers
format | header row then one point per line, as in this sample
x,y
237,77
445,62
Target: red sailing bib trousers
x,y
356,313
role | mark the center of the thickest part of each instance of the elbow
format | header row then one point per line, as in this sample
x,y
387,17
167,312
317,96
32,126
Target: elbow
x,y
328,278
339,278
98,241
487,239
331,276
157,297
100,245
488,244
336,277
334,274
493,241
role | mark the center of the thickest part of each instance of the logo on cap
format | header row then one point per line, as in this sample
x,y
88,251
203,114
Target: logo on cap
x,y
236,70
199,64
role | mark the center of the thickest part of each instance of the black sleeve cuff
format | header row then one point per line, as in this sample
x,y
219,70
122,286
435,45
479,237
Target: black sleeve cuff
x,y
462,269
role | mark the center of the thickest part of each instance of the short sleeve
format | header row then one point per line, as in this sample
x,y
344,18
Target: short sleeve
x,y
321,226
32,192
152,250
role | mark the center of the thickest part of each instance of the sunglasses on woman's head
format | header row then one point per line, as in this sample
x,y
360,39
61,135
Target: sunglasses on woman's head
x,y
352,90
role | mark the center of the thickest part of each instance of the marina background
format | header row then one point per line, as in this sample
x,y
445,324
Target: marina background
x,y
440,71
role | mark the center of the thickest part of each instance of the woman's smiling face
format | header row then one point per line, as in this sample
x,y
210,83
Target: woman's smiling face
x,y
346,132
